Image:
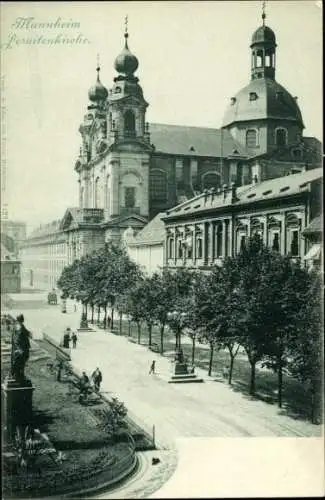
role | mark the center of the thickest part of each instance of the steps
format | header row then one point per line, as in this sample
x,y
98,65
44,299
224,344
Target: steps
x,y
185,378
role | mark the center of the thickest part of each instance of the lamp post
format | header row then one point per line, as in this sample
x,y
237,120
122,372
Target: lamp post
x,y
83,322
176,320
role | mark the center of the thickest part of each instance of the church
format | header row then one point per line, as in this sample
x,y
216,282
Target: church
x,y
132,174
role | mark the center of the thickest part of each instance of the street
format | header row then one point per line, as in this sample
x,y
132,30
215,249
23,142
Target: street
x,y
178,411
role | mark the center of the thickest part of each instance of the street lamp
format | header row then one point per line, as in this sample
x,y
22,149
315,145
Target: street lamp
x,y
83,322
176,320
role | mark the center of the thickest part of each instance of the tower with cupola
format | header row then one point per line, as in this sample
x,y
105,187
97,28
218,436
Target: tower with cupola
x,y
113,163
128,141
263,117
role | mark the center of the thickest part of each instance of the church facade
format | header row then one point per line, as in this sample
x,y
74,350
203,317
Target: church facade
x,y
129,171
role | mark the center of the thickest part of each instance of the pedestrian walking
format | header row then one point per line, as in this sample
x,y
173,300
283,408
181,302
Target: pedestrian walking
x,y
225,372
74,339
67,338
97,379
152,368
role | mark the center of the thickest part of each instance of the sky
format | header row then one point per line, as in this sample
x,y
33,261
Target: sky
x,y
193,56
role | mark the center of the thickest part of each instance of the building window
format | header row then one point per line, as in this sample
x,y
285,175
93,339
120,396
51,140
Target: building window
x,y
241,242
281,137
158,185
252,96
129,197
199,249
129,123
179,249
259,58
171,248
219,240
275,241
297,154
294,243
211,180
251,138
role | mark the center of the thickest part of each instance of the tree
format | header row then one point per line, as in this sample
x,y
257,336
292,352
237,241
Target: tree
x,y
116,274
287,287
306,362
252,270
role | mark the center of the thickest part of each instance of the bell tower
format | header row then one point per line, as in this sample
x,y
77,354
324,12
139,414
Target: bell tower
x,y
263,51
127,106
128,140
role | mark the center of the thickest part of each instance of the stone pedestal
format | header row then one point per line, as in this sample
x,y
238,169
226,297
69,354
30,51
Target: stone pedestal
x,y
181,374
84,325
17,405
181,368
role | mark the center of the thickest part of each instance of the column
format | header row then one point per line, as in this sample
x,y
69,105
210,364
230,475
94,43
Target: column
x,y
231,237
224,238
283,249
248,227
194,244
175,244
211,242
265,231
205,241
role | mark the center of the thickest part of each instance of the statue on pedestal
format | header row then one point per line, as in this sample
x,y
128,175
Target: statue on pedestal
x,y
20,349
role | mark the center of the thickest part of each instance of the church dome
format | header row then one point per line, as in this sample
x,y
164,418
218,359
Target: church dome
x,y
126,62
263,34
98,92
262,99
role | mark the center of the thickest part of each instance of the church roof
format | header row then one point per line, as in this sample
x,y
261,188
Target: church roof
x,y
194,141
266,190
262,99
152,233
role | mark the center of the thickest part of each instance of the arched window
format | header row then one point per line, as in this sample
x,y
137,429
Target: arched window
x,y
158,185
211,180
259,58
130,189
281,137
251,138
129,123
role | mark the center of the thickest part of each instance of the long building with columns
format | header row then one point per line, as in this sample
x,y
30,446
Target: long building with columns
x,y
130,171
203,231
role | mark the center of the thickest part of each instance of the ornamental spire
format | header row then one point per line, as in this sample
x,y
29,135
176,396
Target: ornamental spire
x,y
263,13
126,34
98,68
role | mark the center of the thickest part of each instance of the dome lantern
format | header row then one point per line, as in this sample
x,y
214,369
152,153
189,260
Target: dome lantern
x,y
263,51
